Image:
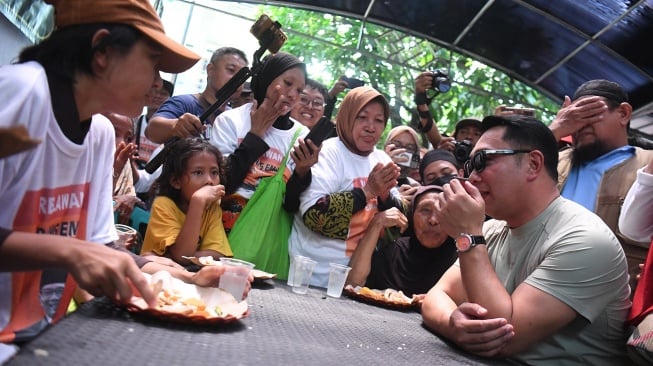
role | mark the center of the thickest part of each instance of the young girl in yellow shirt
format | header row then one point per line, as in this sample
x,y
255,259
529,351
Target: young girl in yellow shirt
x,y
186,218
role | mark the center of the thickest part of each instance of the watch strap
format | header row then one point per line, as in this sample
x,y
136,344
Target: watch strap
x,y
478,239
421,98
474,241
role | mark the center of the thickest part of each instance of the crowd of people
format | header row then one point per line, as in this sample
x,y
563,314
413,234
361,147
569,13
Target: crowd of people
x,y
515,245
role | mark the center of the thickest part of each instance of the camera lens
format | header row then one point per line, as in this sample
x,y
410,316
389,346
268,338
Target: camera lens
x,y
461,150
441,82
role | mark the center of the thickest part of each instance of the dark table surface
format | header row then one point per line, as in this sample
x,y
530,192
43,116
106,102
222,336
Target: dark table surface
x,y
283,328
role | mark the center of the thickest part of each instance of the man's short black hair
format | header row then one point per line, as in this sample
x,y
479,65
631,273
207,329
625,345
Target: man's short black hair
x,y
314,84
527,133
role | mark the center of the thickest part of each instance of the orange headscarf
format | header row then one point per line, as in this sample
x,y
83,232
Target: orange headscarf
x,y
354,101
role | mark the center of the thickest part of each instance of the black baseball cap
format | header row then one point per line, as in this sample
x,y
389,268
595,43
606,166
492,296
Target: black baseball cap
x,y
602,88
467,122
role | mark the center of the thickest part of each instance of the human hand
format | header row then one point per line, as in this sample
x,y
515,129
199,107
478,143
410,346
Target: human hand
x,y
103,271
460,208
131,241
392,217
573,116
305,155
163,261
124,152
124,205
407,191
381,179
274,106
396,153
472,332
501,111
423,82
338,88
187,125
447,143
209,194
209,276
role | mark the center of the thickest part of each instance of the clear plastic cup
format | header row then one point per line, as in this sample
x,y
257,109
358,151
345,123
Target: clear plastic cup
x,y
337,277
303,272
235,276
291,270
125,233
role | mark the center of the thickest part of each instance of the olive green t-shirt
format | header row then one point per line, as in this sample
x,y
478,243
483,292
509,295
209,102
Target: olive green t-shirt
x,y
569,253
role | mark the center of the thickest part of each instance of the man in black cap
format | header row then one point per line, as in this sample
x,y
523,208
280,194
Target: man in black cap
x,y
600,167
465,135
438,167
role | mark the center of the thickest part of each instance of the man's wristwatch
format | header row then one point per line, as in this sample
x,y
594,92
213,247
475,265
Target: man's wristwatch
x,y
465,242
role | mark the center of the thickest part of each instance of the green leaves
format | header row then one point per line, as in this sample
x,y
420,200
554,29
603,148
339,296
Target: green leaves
x,y
389,60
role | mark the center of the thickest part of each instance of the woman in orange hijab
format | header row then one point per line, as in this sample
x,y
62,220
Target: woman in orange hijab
x,y
351,183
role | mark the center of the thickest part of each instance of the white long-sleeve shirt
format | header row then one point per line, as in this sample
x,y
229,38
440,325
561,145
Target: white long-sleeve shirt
x,y
636,217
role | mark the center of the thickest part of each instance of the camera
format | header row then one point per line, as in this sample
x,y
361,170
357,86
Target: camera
x,y
461,150
441,82
408,160
268,33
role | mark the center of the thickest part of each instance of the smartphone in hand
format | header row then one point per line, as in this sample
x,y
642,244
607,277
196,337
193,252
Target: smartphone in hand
x,y
321,131
521,111
353,83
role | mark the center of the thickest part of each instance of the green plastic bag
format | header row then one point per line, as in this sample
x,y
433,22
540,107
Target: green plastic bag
x,y
260,234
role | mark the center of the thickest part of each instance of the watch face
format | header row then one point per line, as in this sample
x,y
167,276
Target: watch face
x,y
463,243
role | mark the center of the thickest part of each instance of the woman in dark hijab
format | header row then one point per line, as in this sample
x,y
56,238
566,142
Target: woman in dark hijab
x,y
256,136
412,264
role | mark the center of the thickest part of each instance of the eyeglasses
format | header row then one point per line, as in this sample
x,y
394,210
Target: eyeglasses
x,y
478,161
315,103
398,145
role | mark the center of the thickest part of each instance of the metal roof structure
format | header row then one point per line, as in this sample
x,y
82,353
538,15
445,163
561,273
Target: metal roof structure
x,y
551,45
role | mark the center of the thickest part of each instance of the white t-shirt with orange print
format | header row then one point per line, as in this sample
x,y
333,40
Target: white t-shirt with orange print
x,y
229,130
58,187
337,170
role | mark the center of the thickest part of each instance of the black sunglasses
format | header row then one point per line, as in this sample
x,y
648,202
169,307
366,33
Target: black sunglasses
x,y
479,159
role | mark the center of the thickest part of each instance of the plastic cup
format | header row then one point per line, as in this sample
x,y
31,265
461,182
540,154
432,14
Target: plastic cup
x,y
235,276
337,277
303,272
125,233
291,270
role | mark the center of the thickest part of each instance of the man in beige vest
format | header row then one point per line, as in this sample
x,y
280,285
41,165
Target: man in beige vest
x,y
600,167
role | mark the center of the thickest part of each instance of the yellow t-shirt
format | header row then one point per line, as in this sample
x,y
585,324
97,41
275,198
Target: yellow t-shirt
x,y
166,220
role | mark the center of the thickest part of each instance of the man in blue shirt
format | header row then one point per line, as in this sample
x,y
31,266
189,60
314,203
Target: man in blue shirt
x,y
178,116
600,167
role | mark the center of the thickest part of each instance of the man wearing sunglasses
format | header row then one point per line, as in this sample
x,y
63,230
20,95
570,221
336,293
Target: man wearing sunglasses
x,y
545,281
601,166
